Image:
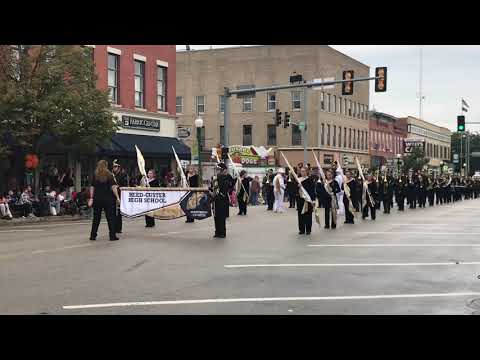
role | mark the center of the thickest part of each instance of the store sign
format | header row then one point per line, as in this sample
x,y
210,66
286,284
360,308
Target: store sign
x,y
132,122
411,144
251,156
184,132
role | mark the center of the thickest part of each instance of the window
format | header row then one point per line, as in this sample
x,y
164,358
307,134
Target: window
x,y
322,135
179,105
345,111
222,134
354,139
271,135
334,105
139,84
329,105
344,137
161,88
247,104
271,101
247,135
359,144
339,136
358,111
350,138
361,141
334,136
296,135
354,111
221,101
322,101
328,135
296,102
349,107
113,72
340,105
200,104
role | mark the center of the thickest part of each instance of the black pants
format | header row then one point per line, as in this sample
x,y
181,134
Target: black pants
x,y
220,226
372,211
400,199
26,209
291,198
412,201
304,221
149,221
431,197
328,215
378,203
387,204
118,220
270,198
190,219
109,209
242,206
348,215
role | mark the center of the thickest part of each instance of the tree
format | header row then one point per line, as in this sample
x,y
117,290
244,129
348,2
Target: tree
x,y
416,160
51,90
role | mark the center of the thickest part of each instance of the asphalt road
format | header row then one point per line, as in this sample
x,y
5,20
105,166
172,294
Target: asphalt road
x,y
422,261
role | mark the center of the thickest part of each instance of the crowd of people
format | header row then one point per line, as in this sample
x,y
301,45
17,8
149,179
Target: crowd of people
x,y
338,193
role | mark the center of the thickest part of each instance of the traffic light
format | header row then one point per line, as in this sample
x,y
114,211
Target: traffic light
x,y
225,153
286,122
460,123
381,84
278,117
347,87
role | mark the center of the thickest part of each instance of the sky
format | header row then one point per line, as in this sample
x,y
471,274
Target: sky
x,y
450,73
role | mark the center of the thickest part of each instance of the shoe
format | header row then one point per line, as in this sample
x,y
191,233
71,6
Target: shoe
x,y
327,227
308,233
301,233
114,238
334,226
118,232
93,238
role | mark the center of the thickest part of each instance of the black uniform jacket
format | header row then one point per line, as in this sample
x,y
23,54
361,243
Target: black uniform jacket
x,y
323,195
354,194
309,185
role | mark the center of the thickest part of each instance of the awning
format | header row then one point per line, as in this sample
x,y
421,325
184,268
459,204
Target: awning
x,y
150,146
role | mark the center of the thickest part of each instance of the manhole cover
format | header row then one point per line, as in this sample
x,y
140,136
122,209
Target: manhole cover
x,y
474,304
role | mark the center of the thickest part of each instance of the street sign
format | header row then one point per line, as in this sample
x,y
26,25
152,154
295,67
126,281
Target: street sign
x,y
445,167
475,154
184,132
455,158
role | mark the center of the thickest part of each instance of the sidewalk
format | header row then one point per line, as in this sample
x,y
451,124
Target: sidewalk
x,y
44,219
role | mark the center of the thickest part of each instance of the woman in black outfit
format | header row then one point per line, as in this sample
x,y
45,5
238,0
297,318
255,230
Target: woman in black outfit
x,y
103,194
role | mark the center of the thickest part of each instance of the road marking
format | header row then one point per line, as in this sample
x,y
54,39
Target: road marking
x,y
395,245
416,233
238,300
60,249
352,264
20,230
436,225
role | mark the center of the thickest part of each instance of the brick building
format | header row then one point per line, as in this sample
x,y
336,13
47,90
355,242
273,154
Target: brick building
x,y
337,125
141,84
386,139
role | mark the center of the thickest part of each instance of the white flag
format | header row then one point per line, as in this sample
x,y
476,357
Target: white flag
x,y
464,104
182,174
140,162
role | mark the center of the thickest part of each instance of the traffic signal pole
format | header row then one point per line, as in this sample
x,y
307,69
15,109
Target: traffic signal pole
x,y
304,127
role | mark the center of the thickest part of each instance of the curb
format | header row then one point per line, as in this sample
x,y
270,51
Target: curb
x,y
39,220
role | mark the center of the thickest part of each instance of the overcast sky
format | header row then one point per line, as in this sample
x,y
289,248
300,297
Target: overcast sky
x,y
450,72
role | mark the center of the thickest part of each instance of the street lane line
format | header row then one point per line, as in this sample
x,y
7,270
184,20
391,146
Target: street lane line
x,y
416,233
351,264
442,224
238,300
395,245
20,230
60,249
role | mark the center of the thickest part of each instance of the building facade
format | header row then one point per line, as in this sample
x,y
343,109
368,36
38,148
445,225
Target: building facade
x,y
141,83
386,138
436,140
337,126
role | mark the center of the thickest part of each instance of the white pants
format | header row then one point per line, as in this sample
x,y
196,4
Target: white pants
x,y
278,204
5,210
341,207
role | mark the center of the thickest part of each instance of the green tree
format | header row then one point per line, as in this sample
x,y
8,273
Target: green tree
x,y
51,90
415,161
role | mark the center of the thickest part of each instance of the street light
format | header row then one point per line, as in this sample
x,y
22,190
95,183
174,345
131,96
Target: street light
x,y
199,126
398,163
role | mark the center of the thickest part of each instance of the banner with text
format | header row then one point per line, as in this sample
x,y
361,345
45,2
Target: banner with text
x,y
165,203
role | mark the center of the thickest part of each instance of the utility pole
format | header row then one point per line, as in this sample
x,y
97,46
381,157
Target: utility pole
x,y
420,84
304,128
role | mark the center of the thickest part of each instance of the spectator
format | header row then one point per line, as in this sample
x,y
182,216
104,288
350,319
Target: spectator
x,y
66,183
5,208
25,203
254,191
53,203
53,175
